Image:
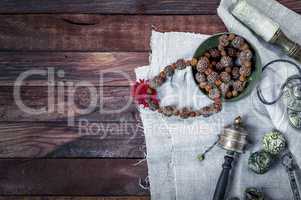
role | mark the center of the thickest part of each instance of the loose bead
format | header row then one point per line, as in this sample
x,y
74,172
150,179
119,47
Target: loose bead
x,y
212,77
245,71
203,64
215,53
200,77
224,40
180,64
194,62
226,61
231,52
235,72
225,77
203,85
218,82
238,42
224,88
208,71
247,64
231,36
219,66
228,69
229,94
234,93
214,93
169,70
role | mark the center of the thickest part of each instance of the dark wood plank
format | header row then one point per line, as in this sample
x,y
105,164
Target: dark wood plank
x,y
102,140
121,7
110,69
71,177
74,198
114,104
110,6
83,32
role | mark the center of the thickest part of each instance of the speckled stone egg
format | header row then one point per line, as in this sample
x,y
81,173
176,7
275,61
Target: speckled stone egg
x,y
274,142
260,162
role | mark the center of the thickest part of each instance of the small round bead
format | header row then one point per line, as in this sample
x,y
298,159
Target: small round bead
x,y
214,93
180,64
231,36
234,93
226,61
208,87
162,74
235,72
215,53
247,64
203,85
245,55
169,70
167,111
208,71
203,64
225,77
245,71
224,40
231,52
184,113
200,77
219,66
212,77
238,86
218,82
228,69
220,47
194,62
207,55
238,42
192,114
153,106
156,82
242,78
244,47
229,94
223,53
224,89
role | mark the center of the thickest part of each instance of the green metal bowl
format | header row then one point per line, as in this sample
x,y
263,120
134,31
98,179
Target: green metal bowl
x,y
212,42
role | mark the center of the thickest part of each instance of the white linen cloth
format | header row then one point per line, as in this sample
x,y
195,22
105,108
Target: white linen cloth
x,y
173,144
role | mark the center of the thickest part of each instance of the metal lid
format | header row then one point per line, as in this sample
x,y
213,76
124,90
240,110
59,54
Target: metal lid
x,y
234,137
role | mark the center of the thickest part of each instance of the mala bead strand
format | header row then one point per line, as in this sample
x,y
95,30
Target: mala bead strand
x,y
185,113
221,72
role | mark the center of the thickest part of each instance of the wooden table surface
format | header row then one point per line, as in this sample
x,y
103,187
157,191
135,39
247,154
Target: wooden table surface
x,y
42,157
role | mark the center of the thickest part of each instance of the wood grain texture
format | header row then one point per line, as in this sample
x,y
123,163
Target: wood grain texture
x,y
113,104
83,32
109,69
58,140
74,198
121,7
110,6
71,177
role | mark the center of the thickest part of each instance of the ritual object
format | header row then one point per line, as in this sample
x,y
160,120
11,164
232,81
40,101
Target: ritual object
x,y
260,162
265,27
234,140
291,93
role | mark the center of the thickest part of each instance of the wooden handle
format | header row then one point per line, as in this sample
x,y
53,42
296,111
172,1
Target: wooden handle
x,y
222,183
